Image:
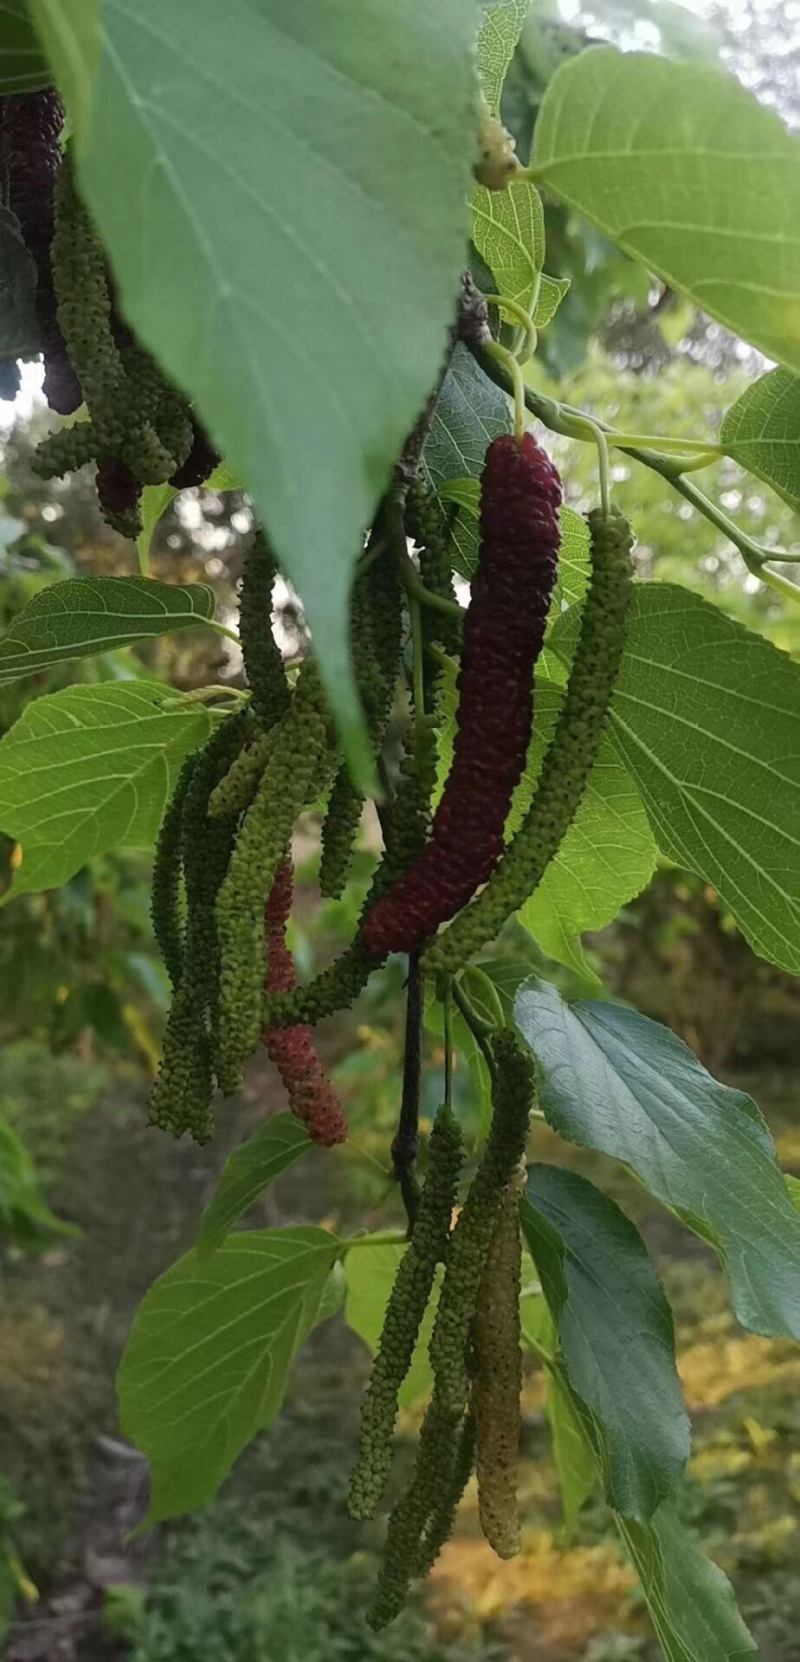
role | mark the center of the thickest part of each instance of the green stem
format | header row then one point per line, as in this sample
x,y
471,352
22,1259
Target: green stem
x,y
415,588
654,441
505,359
354,1241
202,695
563,418
596,435
492,994
447,1010
517,311
481,1030
221,629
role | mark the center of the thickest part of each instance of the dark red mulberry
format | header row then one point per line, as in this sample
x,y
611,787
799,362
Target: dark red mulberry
x,y
119,494
503,634
200,462
312,1096
31,151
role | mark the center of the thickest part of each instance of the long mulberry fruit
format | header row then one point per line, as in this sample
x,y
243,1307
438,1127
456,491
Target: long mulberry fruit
x,y
503,633
571,754
263,662
312,1094
30,133
496,1367
404,1312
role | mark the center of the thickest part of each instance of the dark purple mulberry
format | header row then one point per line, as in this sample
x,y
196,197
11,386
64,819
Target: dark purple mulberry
x,y
503,634
119,495
200,462
31,132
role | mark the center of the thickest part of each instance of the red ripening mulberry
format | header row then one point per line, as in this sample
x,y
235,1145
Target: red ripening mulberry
x,y
31,154
503,633
312,1096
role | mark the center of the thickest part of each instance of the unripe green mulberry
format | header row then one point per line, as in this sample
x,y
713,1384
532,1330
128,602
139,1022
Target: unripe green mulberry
x,y
437,1471
167,867
426,526
181,1096
571,754
297,745
469,1244
335,988
236,791
84,313
65,451
496,1368
439,1527
404,1312
263,662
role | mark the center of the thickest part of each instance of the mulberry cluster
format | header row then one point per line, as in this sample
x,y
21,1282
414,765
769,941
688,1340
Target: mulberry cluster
x,y
30,148
404,1312
571,754
503,633
312,1096
263,662
497,1377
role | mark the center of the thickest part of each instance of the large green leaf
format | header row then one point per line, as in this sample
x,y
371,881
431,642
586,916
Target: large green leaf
x,y
470,412
87,615
247,1172
615,1330
70,33
205,1366
500,30
683,169
299,177
508,232
691,1602
762,431
572,1453
613,1080
23,66
608,854
706,718
89,769
369,1272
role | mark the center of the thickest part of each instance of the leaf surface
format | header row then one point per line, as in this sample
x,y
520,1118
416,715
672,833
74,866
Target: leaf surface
x,y
87,615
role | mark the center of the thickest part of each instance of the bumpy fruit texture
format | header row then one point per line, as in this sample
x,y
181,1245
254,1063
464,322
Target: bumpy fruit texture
x,y
497,1378
497,162
234,793
167,869
119,495
478,1220
263,661
30,132
407,1304
312,1096
425,524
571,754
503,633
414,1534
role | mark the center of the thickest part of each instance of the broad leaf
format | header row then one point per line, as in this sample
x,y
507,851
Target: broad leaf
x,y
499,32
89,769
205,1366
615,1329
551,293
156,499
706,718
508,232
691,1603
608,854
247,1172
88,615
301,180
684,170
762,431
23,66
613,1080
70,33
19,329
370,1269
470,412
573,1456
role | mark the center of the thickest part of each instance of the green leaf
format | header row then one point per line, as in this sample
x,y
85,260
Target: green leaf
x,y
499,32
70,33
762,431
608,854
247,1172
155,502
89,769
25,1218
467,1045
706,718
691,1603
684,170
551,293
572,1454
613,1080
369,1272
23,67
205,1366
19,329
294,259
470,412
87,615
616,1334
508,232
